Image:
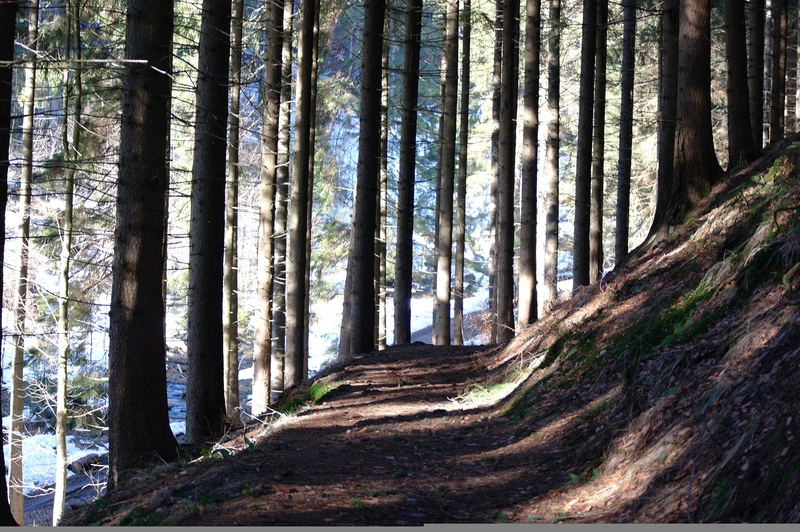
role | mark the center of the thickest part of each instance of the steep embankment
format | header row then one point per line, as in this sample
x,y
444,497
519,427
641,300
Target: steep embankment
x,y
667,394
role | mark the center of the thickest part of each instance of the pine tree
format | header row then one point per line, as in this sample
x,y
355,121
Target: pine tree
x,y
583,171
138,420
444,240
527,307
625,131
15,470
506,168
205,396
550,177
294,371
362,313
406,173
263,354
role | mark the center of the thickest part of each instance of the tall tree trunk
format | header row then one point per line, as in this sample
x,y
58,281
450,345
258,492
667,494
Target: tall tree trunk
x,y
598,148
625,131
583,159
791,68
282,207
71,154
444,241
406,174
262,353
755,70
506,164
497,65
740,136
463,161
294,371
205,395
527,307
550,178
667,113
15,471
312,136
778,86
230,302
380,215
369,145
696,166
137,381
8,18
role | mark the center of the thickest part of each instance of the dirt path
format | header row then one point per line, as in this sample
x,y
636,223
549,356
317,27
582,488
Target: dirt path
x,y
391,446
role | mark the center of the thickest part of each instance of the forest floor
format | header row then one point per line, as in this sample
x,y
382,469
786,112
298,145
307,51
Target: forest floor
x,y
668,393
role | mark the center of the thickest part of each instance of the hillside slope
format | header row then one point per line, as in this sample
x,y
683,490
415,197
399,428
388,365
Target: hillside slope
x,y
669,393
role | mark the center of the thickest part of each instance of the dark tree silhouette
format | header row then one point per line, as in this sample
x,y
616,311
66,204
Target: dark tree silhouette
x,y
137,380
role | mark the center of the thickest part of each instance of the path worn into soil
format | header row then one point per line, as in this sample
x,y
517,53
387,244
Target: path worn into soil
x,y
391,446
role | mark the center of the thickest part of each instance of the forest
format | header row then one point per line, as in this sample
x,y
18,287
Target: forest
x,y
250,193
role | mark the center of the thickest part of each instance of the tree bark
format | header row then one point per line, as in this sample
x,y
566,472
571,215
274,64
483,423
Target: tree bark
x,y
625,131
8,18
262,349
138,415
282,207
15,470
755,70
696,166
362,295
294,371
740,136
596,254
583,159
667,114
205,395
463,161
527,306
506,167
550,177
230,302
444,241
778,87
380,215
406,174
497,65
71,155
